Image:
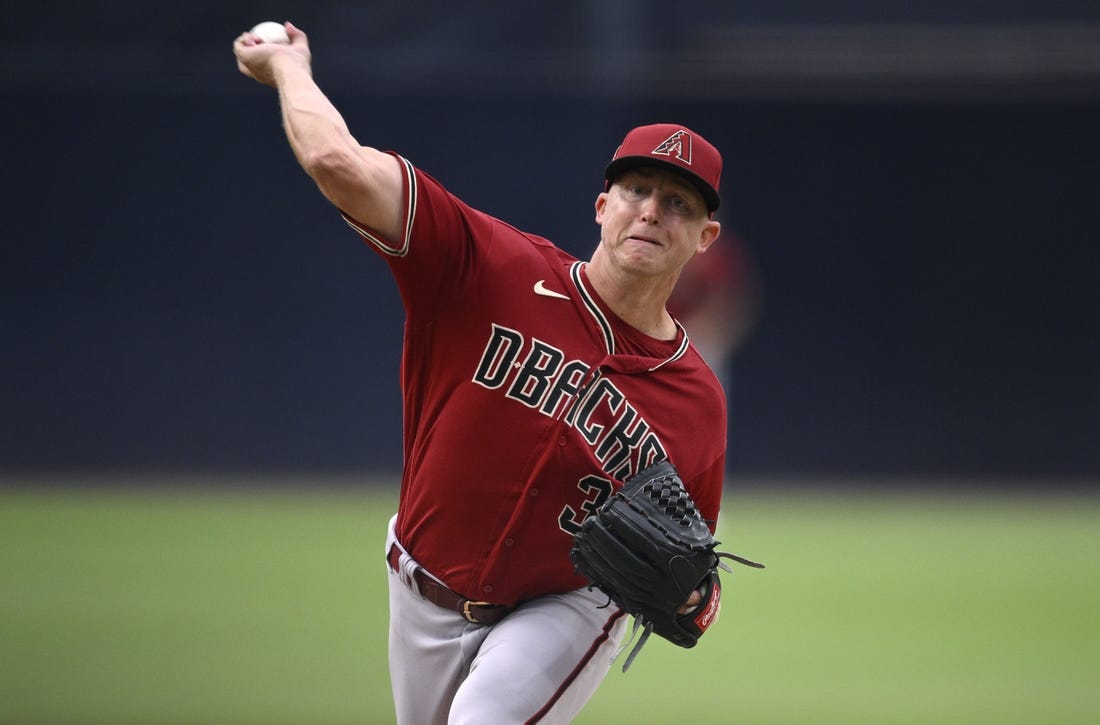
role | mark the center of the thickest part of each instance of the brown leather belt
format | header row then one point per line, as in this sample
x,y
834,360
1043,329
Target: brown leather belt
x,y
441,596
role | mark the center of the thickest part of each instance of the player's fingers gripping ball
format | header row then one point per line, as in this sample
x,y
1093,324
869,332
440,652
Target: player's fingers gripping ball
x,y
649,549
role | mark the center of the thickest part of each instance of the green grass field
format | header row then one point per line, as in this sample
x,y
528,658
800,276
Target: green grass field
x,y
251,606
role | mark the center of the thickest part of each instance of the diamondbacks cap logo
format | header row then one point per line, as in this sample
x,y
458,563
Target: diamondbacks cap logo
x,y
677,145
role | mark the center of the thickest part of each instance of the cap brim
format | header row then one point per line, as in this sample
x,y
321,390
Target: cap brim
x,y
618,166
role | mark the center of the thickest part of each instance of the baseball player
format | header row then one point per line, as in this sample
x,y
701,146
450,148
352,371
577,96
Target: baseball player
x,y
534,384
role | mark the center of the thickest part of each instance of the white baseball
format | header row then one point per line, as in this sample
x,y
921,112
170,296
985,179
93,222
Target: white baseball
x,y
271,32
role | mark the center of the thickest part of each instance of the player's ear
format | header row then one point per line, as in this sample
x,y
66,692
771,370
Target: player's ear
x,y
709,236
601,202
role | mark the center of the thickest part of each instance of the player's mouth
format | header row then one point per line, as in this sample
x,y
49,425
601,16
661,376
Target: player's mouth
x,y
644,240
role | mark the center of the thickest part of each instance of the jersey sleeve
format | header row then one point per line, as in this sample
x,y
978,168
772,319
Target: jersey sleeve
x,y
442,241
706,491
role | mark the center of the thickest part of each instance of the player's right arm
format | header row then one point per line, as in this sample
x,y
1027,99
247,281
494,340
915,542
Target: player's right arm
x,y
363,182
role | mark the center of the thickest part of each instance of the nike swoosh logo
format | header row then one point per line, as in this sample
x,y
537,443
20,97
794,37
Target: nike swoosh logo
x,y
540,289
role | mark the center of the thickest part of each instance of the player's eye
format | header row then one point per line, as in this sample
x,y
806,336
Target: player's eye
x,y
680,204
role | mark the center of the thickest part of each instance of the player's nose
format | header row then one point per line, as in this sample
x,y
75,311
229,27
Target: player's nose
x,y
650,210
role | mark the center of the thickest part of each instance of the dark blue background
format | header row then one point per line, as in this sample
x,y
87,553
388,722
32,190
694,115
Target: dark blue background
x,y
177,296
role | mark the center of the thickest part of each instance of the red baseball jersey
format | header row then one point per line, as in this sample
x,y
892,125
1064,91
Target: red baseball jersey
x,y
527,401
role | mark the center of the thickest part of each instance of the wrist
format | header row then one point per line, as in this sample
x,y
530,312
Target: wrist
x,y
287,68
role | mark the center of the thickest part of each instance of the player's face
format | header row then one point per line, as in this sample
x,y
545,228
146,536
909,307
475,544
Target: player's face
x,y
653,221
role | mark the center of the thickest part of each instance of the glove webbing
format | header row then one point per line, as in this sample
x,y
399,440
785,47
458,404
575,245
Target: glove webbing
x,y
673,500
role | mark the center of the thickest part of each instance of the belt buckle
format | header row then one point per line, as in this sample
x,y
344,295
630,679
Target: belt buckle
x,y
468,614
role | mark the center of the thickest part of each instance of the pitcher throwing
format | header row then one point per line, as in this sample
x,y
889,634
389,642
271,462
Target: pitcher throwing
x,y
534,384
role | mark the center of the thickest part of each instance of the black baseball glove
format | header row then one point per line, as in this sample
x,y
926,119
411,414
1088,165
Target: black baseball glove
x,y
648,549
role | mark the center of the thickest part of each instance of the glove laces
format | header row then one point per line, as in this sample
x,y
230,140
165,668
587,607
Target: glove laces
x,y
647,629
739,559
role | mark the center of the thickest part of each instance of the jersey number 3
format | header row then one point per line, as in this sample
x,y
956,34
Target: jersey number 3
x,y
596,491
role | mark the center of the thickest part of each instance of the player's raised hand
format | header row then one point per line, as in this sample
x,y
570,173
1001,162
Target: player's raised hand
x,y
257,59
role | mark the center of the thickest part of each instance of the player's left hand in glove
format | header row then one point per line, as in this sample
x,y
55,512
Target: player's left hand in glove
x,y
649,550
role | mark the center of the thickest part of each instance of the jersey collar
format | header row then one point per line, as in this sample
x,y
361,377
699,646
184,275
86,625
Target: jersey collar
x,y
606,325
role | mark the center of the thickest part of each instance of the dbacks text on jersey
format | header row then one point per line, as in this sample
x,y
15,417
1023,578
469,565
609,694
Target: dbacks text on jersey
x,y
538,376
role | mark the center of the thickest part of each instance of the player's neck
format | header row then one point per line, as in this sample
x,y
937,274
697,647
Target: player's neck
x,y
637,301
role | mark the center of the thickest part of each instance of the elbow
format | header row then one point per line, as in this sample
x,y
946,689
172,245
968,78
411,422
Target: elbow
x,y
360,181
337,172
326,165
